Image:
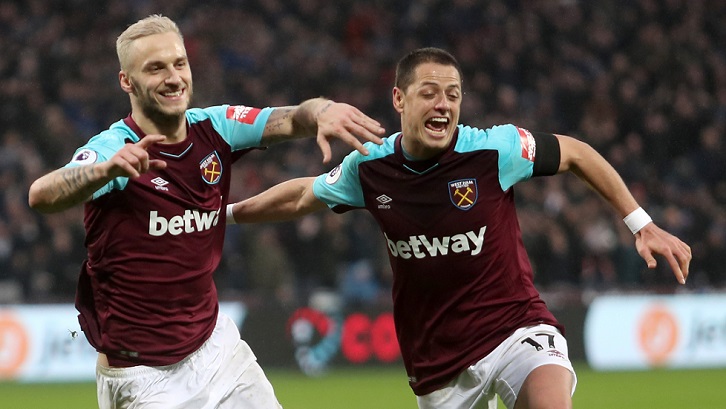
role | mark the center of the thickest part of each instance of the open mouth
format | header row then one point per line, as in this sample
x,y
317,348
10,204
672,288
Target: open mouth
x,y
437,126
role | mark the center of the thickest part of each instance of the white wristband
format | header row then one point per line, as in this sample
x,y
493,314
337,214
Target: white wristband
x,y
230,215
637,219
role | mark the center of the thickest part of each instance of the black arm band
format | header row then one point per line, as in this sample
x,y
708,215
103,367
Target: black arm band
x,y
547,155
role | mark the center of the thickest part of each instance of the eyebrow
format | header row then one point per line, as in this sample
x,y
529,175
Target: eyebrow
x,y
438,84
160,62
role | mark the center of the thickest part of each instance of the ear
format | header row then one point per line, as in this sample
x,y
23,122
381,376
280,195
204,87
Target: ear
x,y
398,98
125,81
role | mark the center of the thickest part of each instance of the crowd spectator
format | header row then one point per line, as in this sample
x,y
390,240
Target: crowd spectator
x,y
643,81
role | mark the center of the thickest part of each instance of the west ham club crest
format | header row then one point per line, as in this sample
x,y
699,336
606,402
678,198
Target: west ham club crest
x,y
463,193
211,168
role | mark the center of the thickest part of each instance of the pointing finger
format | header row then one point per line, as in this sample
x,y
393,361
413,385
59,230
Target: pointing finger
x,y
149,140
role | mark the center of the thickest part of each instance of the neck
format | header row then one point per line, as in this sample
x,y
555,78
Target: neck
x,y
420,154
173,127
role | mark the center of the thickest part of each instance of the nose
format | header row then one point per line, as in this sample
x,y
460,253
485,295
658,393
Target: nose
x,y
442,103
173,77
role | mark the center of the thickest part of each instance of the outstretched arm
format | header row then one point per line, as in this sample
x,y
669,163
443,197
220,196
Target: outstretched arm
x,y
285,201
326,120
67,187
582,160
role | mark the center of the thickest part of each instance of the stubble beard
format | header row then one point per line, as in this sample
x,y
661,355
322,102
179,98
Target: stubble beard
x,y
153,110
163,120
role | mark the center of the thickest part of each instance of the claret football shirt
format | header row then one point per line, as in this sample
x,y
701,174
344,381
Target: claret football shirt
x,y
146,293
462,278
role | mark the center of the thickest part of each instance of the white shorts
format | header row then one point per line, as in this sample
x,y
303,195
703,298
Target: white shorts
x,y
503,371
222,373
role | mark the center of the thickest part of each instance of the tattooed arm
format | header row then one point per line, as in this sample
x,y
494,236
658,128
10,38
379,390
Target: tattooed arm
x,y
67,187
326,119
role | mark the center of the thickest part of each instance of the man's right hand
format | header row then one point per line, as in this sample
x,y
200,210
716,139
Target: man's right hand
x,y
133,159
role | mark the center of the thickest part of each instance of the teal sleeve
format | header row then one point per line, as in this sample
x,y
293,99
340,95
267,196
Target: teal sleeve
x,y
240,126
341,186
514,163
101,148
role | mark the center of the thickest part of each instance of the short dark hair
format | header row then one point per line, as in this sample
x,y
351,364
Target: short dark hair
x,y
406,67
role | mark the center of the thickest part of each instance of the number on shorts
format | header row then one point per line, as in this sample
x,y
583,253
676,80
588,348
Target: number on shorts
x,y
537,345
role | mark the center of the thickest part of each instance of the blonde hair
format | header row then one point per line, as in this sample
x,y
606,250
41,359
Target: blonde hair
x,y
154,24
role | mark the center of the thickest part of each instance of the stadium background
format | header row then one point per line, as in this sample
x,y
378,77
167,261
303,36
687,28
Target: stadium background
x,y
643,81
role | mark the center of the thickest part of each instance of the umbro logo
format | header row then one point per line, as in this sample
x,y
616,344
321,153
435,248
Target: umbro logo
x,y
160,183
384,200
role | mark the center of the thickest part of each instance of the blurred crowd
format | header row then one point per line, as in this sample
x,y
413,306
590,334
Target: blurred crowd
x,y
642,81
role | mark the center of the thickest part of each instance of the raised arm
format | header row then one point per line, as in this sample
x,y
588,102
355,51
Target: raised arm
x,y
582,160
326,120
66,187
285,201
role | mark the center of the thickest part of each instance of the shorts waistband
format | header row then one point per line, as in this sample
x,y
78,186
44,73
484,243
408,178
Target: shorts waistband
x,y
140,370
